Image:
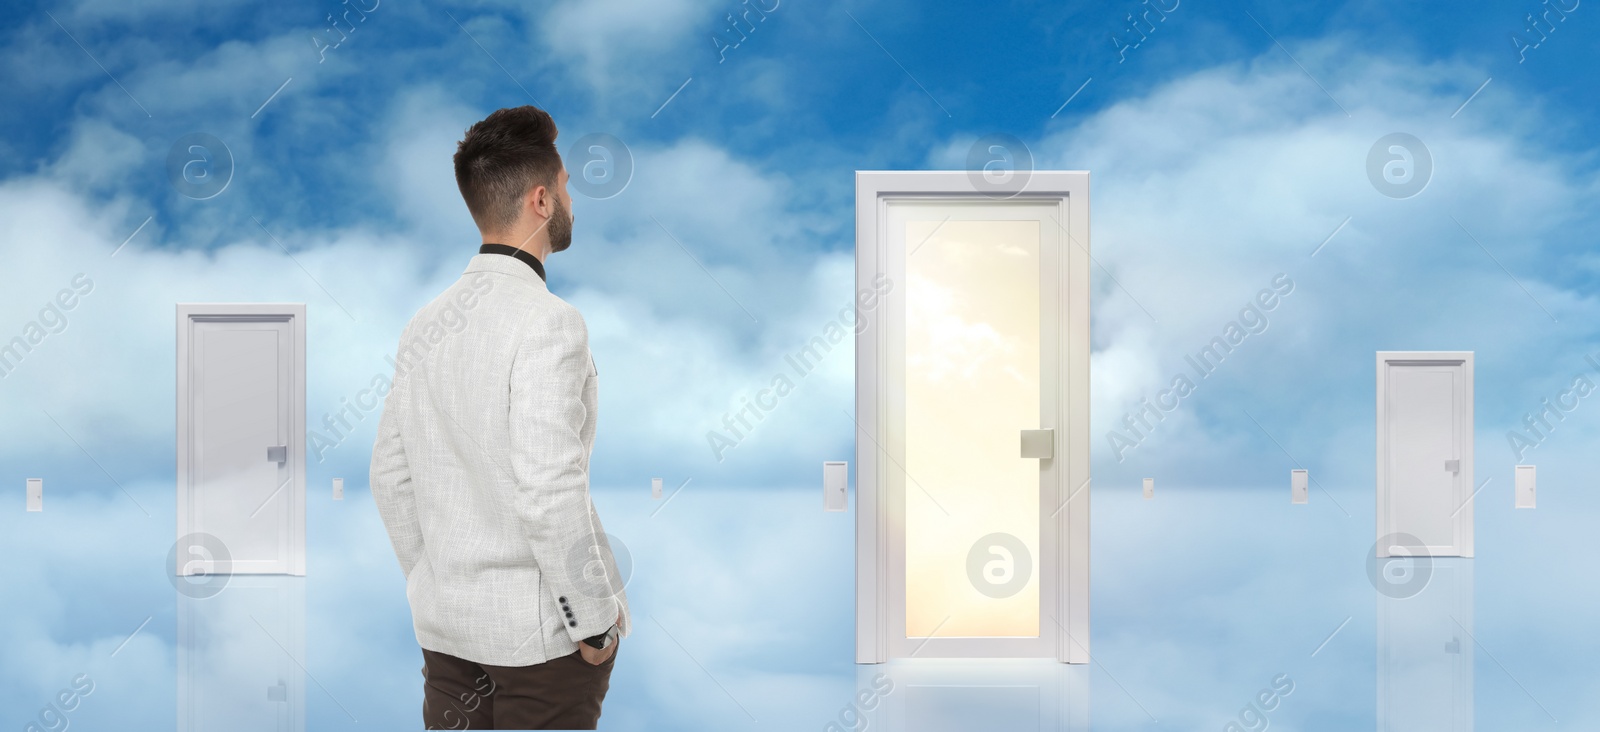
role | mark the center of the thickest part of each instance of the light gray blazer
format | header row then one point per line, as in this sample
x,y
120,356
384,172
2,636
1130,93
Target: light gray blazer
x,y
480,471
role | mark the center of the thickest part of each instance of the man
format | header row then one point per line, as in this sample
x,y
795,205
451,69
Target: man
x,y
480,469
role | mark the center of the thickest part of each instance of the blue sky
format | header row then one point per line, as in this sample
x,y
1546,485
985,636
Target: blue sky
x,y
1225,148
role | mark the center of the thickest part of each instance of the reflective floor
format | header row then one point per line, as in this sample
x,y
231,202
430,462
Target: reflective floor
x,y
1212,609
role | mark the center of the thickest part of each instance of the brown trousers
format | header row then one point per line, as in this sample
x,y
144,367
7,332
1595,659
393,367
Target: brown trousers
x,y
562,693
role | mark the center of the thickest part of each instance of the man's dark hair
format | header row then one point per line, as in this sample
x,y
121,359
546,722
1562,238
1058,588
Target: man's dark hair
x,y
502,158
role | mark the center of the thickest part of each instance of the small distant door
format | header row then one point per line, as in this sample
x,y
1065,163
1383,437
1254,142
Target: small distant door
x,y
241,432
1424,471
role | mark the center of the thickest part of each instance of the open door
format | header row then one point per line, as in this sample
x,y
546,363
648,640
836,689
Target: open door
x,y
972,386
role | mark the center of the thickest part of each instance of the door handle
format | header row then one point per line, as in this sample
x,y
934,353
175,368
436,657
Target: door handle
x,y
1039,443
278,454
1453,466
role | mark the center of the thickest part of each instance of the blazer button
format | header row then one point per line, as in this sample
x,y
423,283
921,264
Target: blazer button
x,y
572,623
563,599
569,614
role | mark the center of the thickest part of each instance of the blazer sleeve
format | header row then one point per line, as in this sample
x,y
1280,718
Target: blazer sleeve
x,y
549,463
390,478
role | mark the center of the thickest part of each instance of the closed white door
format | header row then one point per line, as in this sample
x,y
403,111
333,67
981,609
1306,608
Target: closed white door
x,y
241,432
1424,476
976,420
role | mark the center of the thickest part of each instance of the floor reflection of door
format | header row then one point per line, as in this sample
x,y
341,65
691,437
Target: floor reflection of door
x,y
972,397
950,695
241,654
1425,648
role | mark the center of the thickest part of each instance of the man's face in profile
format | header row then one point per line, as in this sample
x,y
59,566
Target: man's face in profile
x,y
562,218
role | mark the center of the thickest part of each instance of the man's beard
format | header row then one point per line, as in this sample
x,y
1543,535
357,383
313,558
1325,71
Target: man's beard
x,y
560,226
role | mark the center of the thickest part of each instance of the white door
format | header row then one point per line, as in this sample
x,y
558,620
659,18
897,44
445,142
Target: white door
x,y
972,386
241,432
1424,470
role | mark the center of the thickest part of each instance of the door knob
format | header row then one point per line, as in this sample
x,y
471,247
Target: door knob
x,y
278,454
1039,443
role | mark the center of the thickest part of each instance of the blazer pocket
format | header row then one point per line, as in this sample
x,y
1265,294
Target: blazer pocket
x,y
413,579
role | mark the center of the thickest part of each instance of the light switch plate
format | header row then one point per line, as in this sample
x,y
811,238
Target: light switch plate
x,y
338,489
1526,489
1298,479
835,485
1149,488
655,488
35,494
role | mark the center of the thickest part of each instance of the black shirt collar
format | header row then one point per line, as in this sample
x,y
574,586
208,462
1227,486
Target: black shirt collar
x,y
509,251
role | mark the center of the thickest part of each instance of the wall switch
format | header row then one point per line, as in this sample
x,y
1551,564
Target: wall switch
x,y
835,485
338,489
1525,486
35,494
655,488
1149,488
1298,493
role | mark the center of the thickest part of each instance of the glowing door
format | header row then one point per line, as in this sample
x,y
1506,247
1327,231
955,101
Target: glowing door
x,y
975,425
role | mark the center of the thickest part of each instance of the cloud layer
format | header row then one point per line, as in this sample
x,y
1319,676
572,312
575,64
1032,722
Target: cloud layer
x,y
714,264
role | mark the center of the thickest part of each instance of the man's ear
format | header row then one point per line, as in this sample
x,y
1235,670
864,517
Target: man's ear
x,y
538,200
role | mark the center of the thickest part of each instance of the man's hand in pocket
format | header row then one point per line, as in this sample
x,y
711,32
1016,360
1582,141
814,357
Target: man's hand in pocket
x,y
597,656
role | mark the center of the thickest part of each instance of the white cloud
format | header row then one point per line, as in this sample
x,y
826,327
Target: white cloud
x,y
1205,188
1196,206
609,41
98,156
416,168
676,352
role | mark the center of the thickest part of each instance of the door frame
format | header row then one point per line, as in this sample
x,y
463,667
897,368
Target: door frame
x,y
1465,483
1071,520
188,314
